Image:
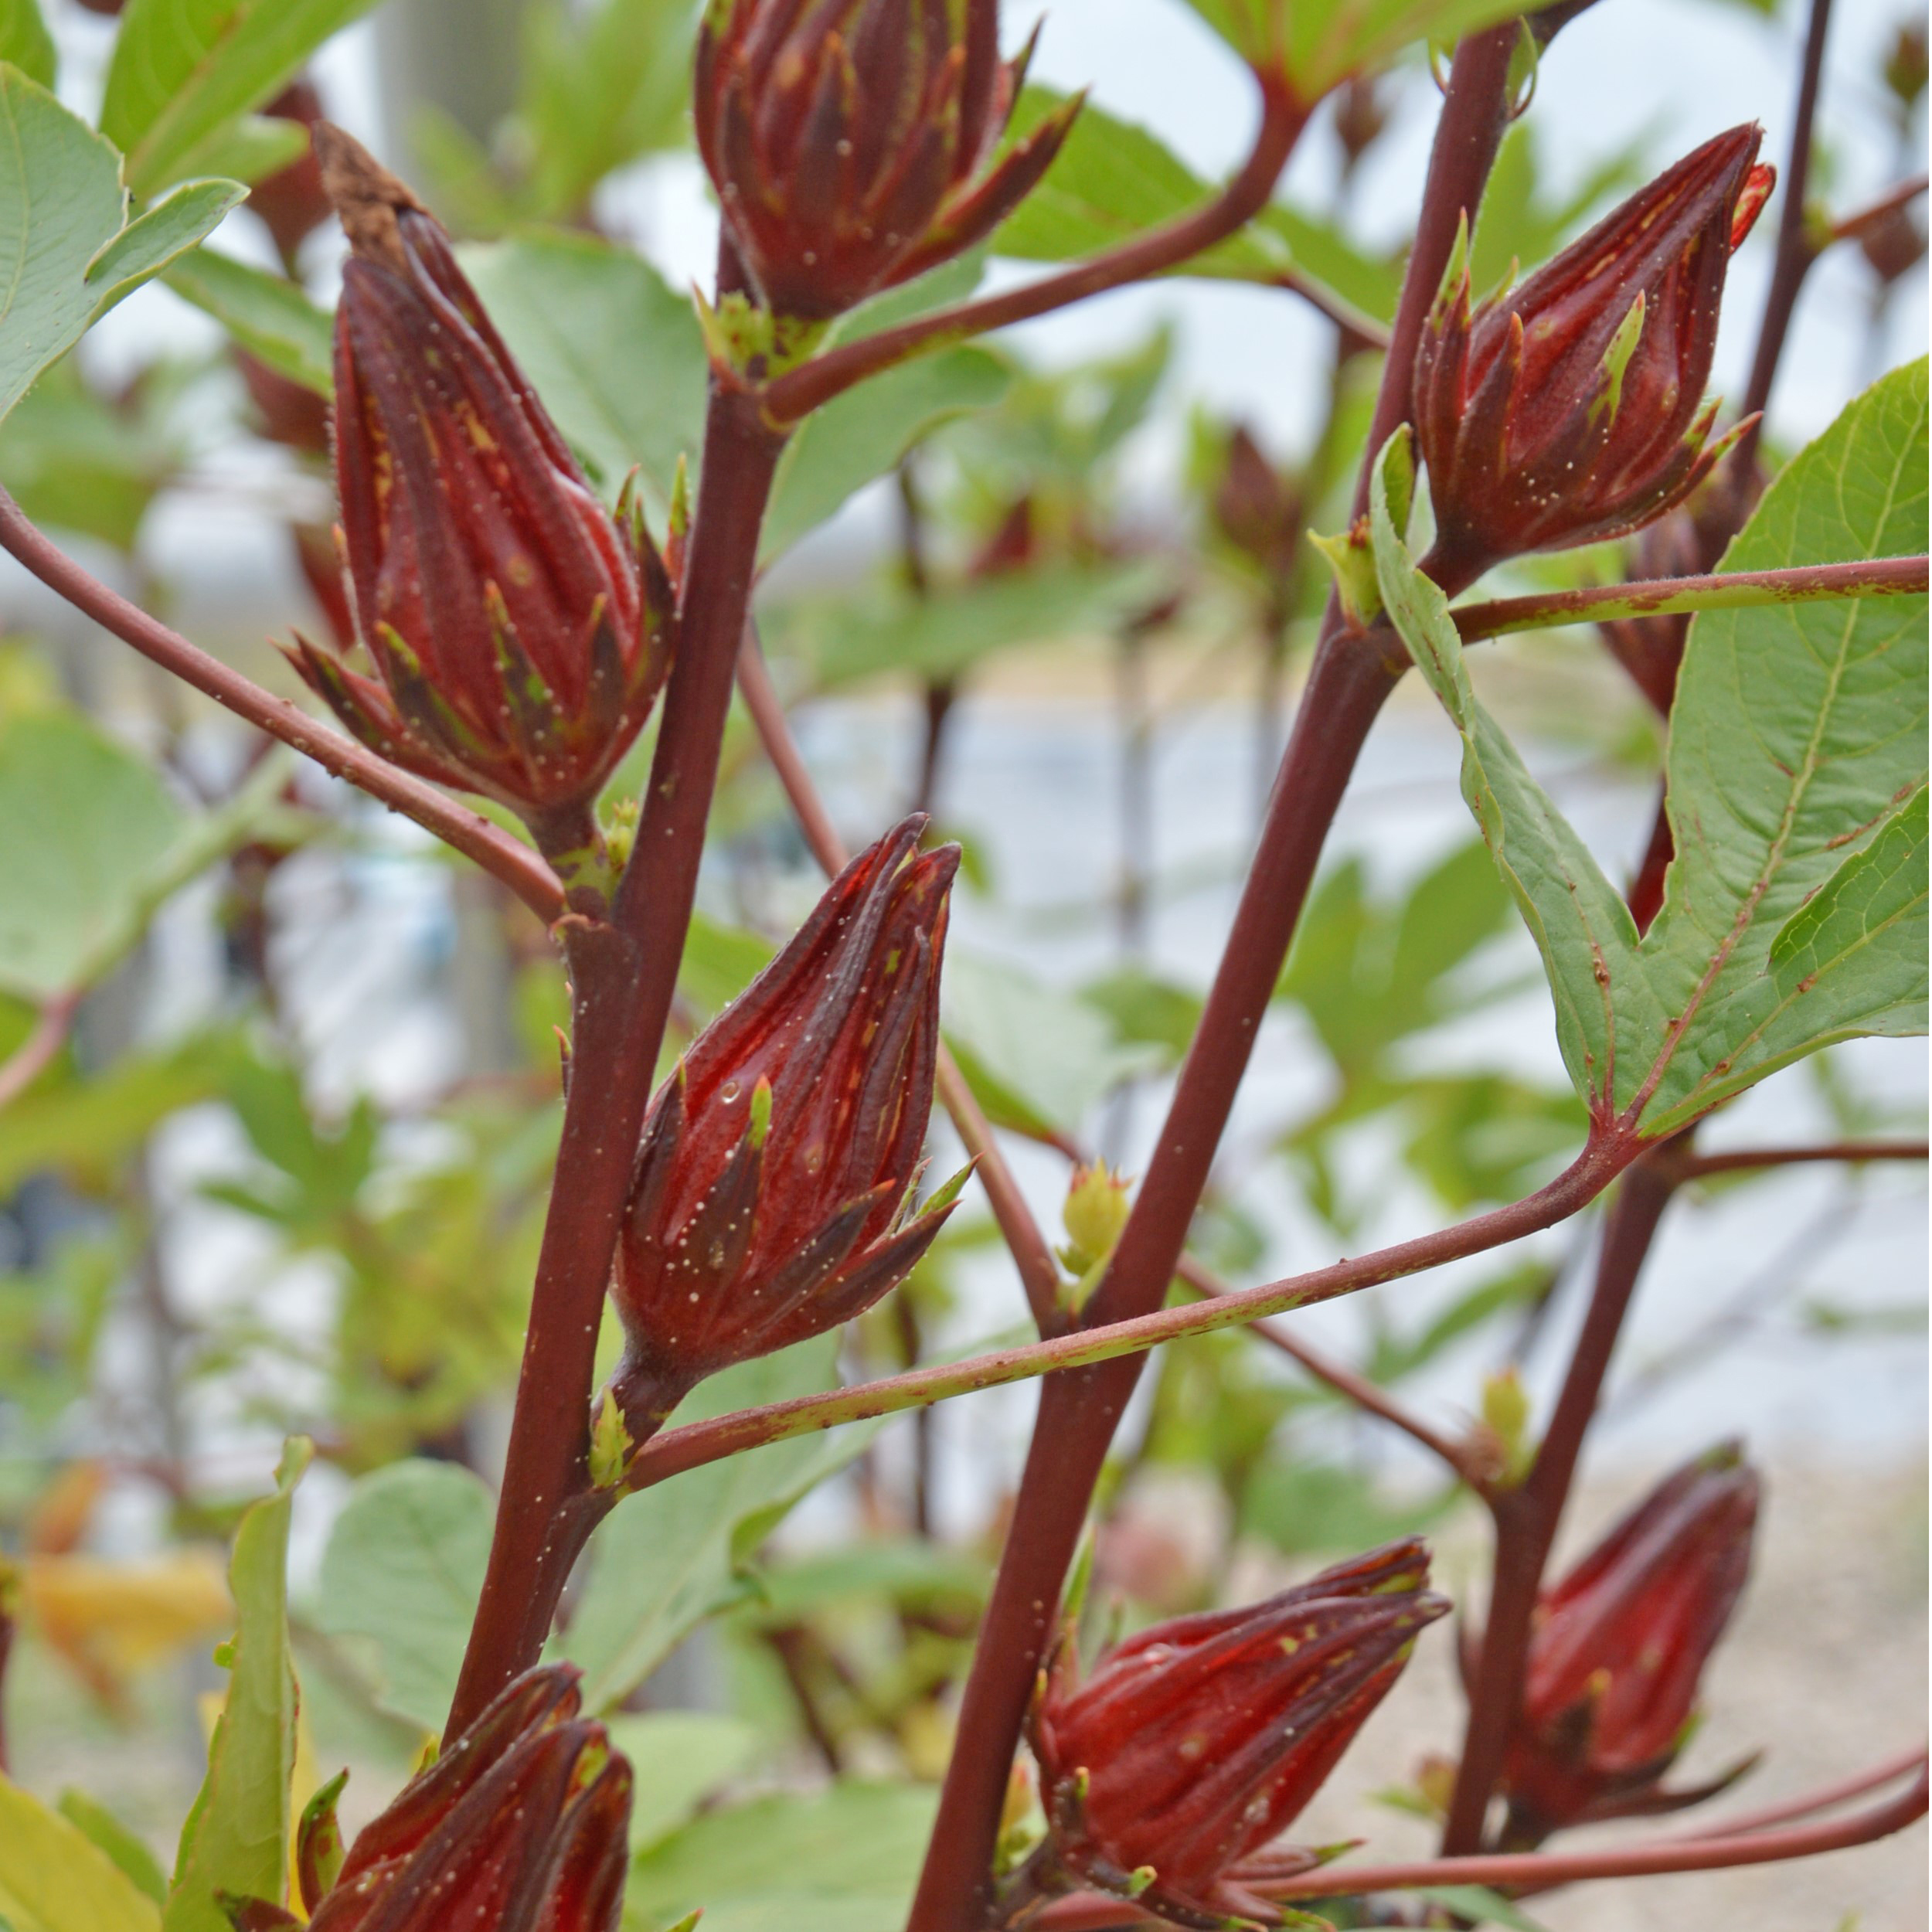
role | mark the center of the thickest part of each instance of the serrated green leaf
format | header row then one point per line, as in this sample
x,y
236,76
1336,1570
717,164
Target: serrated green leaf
x,y
1797,730
25,42
67,251
668,1558
54,1879
614,353
236,1840
184,71
271,317
401,1578
1797,733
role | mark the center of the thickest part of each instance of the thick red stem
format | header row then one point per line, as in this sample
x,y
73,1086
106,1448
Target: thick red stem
x,y
623,973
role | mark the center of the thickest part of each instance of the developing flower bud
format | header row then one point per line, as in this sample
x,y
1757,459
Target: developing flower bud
x,y
519,635
1194,1745
1610,1695
1571,410
520,1826
773,1183
852,142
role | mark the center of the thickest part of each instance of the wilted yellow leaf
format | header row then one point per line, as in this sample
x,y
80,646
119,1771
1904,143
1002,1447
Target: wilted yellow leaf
x,y
54,1879
108,1618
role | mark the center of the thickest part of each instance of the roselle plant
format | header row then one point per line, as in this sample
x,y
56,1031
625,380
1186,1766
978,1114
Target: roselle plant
x,y
696,1178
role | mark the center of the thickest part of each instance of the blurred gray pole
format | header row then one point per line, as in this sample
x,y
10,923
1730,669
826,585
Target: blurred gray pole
x,y
459,55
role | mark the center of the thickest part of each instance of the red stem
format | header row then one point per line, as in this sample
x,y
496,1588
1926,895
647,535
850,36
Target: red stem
x,y
1078,1412
1850,226
1039,1272
1661,596
1739,1160
624,975
1527,1517
1795,253
469,832
697,1443
796,394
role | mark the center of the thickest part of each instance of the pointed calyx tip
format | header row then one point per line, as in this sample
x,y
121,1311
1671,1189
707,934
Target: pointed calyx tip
x,y
366,197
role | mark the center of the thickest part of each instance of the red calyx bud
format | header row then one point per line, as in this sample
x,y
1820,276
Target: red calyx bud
x,y
1571,410
521,1826
519,633
776,1168
292,202
1618,1646
1195,1744
852,142
1255,507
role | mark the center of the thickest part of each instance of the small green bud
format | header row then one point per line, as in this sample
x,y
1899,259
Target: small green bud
x,y
1096,1212
611,1444
1506,1413
1349,555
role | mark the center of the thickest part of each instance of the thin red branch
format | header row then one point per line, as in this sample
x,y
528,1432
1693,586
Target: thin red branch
x,y
1464,1458
1527,1517
505,858
795,395
1739,1160
1039,1273
697,1443
1795,250
1850,227
1520,1872
35,1053
1662,596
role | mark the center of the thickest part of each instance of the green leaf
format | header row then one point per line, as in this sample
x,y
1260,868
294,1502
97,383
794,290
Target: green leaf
x,y
271,317
1320,43
54,1879
1113,179
1797,730
252,147
841,1860
1797,734
615,355
184,71
1477,1905
25,42
95,842
235,1839
68,252
401,1578
1038,1059
1301,1506
602,86
124,1848
670,1557
887,629
678,1759
863,433
75,459
719,962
